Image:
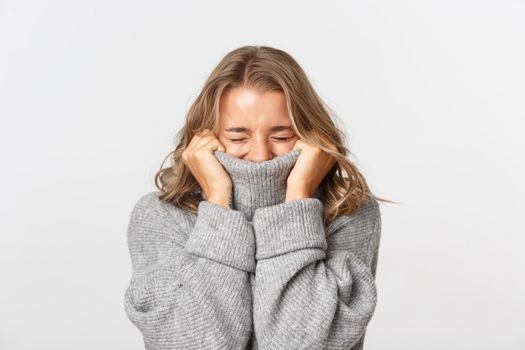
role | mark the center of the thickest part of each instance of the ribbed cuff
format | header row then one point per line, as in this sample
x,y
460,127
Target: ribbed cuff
x,y
223,235
289,226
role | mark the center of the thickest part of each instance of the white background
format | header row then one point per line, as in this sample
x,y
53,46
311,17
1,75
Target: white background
x,y
431,94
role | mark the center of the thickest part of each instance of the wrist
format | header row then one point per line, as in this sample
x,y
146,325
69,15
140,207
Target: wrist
x,y
294,194
224,200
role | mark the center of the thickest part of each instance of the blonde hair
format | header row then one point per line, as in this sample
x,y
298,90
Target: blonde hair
x,y
266,68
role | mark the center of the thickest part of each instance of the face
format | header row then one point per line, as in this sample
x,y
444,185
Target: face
x,y
255,125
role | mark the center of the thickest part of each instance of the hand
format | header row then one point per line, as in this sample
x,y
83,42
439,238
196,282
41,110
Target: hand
x,y
308,172
209,173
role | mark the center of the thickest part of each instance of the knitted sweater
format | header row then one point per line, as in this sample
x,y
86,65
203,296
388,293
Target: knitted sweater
x,y
266,274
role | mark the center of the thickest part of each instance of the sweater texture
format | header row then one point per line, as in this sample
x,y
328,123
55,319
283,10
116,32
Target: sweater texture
x,y
265,274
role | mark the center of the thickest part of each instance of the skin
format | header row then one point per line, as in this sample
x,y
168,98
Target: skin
x,y
255,126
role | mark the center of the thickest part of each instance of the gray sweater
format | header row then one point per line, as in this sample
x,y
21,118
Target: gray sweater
x,y
263,275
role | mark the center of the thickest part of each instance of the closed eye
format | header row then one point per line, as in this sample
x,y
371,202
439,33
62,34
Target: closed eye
x,y
280,139
283,138
236,140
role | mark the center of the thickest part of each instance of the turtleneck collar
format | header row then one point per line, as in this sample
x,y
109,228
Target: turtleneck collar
x,y
258,184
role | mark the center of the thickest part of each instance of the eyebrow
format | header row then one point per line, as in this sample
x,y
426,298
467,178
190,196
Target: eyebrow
x,y
275,128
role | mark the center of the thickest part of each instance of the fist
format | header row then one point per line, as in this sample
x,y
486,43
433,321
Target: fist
x,y
214,181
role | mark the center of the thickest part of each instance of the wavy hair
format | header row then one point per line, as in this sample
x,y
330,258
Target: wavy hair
x,y
267,68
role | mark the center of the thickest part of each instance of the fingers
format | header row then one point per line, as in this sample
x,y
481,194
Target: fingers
x,y
208,141
198,141
220,147
203,141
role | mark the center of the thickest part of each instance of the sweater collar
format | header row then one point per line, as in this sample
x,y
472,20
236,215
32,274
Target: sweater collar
x,y
258,184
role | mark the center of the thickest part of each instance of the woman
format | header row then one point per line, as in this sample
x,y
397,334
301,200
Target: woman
x,y
263,234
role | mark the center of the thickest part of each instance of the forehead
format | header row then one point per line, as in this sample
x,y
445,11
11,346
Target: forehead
x,y
252,108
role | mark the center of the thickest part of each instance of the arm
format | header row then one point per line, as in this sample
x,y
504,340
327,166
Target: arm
x,y
194,295
312,292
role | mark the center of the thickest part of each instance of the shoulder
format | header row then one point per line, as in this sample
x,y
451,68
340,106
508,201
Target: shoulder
x,y
152,216
150,204
358,232
146,202
363,221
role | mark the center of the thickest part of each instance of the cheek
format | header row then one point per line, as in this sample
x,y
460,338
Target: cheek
x,y
234,149
292,143
285,147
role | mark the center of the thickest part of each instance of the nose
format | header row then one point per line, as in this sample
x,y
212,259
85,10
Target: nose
x,y
260,153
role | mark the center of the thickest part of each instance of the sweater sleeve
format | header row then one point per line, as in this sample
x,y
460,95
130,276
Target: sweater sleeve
x,y
194,295
309,291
